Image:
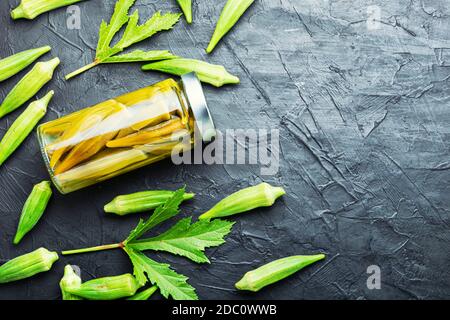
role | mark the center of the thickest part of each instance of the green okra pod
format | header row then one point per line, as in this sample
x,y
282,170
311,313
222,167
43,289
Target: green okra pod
x,y
11,65
107,288
70,279
30,9
213,74
231,13
33,209
27,265
22,126
28,86
261,195
275,271
186,6
141,201
144,294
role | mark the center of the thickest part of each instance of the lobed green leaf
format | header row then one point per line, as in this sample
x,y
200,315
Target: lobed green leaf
x,y
108,30
188,240
161,214
135,33
168,281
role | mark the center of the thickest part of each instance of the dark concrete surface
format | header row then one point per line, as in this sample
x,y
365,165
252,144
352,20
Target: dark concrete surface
x,y
363,111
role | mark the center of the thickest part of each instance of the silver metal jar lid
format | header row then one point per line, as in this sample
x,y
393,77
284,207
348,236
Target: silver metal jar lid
x,y
197,104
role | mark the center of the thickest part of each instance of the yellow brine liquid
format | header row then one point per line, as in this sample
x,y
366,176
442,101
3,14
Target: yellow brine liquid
x,y
116,136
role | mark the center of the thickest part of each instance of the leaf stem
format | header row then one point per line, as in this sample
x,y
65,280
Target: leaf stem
x,y
93,249
82,69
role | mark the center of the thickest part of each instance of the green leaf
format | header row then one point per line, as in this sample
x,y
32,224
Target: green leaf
x,y
139,55
168,281
188,240
161,214
107,31
135,33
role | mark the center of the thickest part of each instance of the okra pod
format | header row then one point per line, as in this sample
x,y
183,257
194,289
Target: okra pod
x,y
84,150
107,288
178,142
28,86
79,129
275,271
22,126
149,135
70,279
99,170
186,6
90,147
147,123
33,209
30,9
160,100
141,201
213,74
144,295
261,195
231,13
11,65
27,265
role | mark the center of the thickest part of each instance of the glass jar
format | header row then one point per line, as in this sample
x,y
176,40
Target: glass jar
x,y
125,133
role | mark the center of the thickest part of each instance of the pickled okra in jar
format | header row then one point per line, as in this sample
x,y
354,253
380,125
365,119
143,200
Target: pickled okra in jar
x,y
125,133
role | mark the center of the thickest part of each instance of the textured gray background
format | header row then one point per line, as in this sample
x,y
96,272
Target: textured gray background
x,y
364,119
